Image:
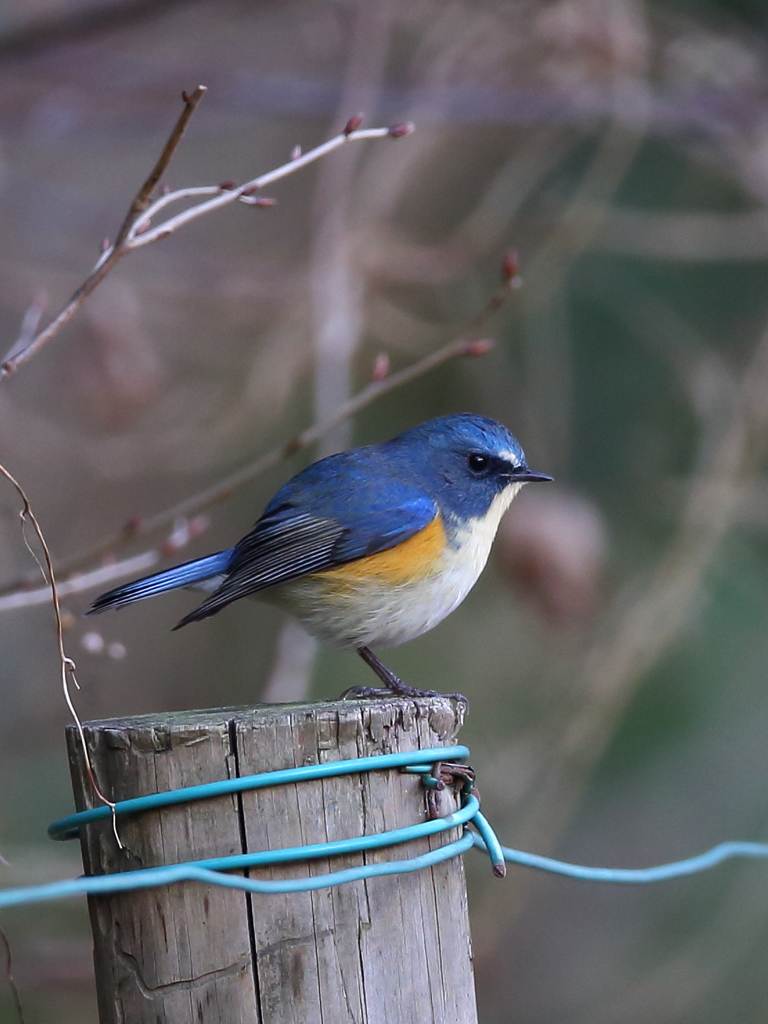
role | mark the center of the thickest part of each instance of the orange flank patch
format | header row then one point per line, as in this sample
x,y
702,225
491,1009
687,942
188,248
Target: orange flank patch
x,y
412,560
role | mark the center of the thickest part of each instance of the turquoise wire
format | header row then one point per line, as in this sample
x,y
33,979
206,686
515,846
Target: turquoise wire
x,y
148,878
69,827
632,876
212,871
490,843
338,847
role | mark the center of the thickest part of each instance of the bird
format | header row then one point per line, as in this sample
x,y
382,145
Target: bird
x,y
369,547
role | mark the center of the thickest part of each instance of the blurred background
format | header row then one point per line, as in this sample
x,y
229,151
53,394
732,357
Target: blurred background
x,y
615,649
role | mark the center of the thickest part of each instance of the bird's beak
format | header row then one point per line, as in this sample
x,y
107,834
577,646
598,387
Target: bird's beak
x,y
525,475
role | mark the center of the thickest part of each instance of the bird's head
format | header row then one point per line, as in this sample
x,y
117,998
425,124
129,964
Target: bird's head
x,y
470,461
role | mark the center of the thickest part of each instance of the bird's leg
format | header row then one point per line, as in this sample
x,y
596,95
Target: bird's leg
x,y
394,685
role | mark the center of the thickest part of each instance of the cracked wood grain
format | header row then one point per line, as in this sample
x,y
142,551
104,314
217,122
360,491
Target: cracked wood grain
x,y
175,954
392,950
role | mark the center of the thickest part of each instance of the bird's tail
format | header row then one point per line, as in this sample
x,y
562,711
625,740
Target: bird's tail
x,y
179,576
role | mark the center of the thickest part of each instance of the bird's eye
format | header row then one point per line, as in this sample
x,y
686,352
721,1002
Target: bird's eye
x,y
477,463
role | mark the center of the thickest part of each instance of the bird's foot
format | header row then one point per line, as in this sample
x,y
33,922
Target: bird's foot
x,y
400,691
366,691
393,685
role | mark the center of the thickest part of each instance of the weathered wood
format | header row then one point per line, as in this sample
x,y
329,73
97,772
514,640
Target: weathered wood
x,y
392,950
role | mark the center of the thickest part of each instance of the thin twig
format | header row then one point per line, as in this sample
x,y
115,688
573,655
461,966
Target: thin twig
x,y
105,573
67,664
17,593
135,231
139,237
143,196
21,353
29,323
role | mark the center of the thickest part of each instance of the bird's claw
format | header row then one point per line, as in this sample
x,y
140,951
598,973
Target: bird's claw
x,y
366,691
395,687
401,691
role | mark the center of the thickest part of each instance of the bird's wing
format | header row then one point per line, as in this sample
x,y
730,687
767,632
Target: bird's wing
x,y
288,542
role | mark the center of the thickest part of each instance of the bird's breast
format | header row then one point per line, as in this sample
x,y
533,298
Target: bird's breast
x,y
415,559
470,540
396,595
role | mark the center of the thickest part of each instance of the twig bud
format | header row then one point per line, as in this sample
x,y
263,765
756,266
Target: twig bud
x,y
104,245
511,266
295,152
143,227
397,131
227,186
131,527
185,96
249,191
165,190
500,870
353,124
265,201
179,536
199,524
478,348
380,368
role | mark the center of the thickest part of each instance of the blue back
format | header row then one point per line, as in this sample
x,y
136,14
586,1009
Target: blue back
x,y
421,469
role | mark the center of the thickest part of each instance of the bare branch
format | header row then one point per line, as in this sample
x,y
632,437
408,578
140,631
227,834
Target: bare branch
x,y
110,255
29,323
183,532
96,578
136,231
143,196
138,236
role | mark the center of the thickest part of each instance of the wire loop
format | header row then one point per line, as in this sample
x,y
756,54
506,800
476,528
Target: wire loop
x,y
429,764
69,828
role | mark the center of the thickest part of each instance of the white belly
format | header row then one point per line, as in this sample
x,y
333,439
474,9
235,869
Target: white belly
x,y
372,613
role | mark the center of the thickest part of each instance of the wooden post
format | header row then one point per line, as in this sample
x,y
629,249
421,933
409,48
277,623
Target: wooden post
x,y
389,950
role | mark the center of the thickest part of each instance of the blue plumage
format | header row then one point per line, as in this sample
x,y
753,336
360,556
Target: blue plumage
x,y
195,571
459,471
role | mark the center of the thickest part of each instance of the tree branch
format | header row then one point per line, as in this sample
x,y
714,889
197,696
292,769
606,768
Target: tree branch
x,y
143,196
136,232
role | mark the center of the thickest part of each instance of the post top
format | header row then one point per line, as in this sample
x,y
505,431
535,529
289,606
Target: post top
x,y
214,718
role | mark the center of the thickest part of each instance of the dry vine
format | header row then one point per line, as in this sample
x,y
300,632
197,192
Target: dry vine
x,y
67,664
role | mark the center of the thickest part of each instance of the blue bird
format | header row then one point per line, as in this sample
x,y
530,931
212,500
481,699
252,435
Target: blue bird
x,y
372,546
